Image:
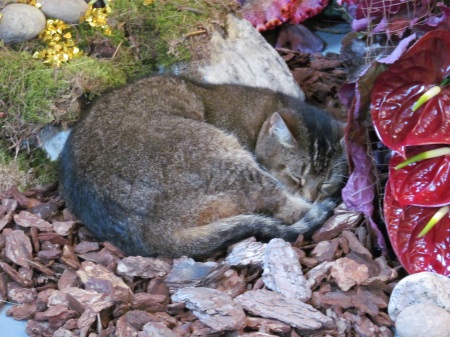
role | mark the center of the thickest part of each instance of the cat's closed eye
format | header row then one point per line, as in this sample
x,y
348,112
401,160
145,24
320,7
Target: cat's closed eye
x,y
297,179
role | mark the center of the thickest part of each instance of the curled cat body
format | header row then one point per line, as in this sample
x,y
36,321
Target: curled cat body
x,y
168,166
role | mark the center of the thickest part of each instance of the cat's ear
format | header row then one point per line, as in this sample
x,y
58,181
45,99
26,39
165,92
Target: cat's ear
x,y
279,129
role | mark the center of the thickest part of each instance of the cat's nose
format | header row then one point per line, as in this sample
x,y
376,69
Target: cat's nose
x,y
310,194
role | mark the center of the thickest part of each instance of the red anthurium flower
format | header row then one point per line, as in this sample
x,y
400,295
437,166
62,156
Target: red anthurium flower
x,y
430,252
425,65
423,183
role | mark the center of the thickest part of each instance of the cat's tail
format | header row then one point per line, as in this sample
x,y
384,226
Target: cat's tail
x,y
204,240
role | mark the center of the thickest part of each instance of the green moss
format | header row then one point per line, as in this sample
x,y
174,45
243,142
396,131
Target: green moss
x,y
25,169
177,20
143,40
27,87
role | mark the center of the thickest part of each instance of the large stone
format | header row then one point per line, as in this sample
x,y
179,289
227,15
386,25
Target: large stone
x,y
423,320
20,22
425,288
68,11
242,56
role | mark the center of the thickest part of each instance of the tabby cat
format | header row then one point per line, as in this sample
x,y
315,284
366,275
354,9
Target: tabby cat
x,y
168,166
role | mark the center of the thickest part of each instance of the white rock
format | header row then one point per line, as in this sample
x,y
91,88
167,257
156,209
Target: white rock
x,y
421,320
244,57
425,288
68,11
20,22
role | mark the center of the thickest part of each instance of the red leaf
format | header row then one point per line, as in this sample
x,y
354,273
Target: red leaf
x,y
428,253
424,183
268,14
423,66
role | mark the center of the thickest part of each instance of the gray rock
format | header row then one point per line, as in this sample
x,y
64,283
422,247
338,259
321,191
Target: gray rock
x,y
283,272
68,11
242,56
425,288
420,320
20,23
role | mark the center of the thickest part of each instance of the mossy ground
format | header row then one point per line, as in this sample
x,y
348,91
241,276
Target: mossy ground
x,y
33,94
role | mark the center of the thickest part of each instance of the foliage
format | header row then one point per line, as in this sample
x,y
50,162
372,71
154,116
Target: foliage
x,y
415,192
426,64
385,31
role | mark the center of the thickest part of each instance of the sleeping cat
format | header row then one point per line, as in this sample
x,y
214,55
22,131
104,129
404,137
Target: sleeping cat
x,y
167,166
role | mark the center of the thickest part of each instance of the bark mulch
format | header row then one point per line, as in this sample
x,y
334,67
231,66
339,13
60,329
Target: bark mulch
x,y
65,283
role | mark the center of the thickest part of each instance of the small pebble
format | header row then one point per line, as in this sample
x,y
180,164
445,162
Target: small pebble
x,y
20,23
421,320
68,11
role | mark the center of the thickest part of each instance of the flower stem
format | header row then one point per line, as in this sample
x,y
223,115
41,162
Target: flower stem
x,y
442,151
426,96
445,82
434,220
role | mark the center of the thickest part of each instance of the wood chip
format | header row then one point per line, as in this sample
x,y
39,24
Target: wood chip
x,y
355,245
18,248
246,253
145,267
153,329
273,305
81,300
85,247
317,274
347,273
22,311
283,272
149,302
27,219
325,250
68,279
98,278
43,269
9,206
267,325
44,210
63,227
340,221
212,307
18,294
15,275
188,273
